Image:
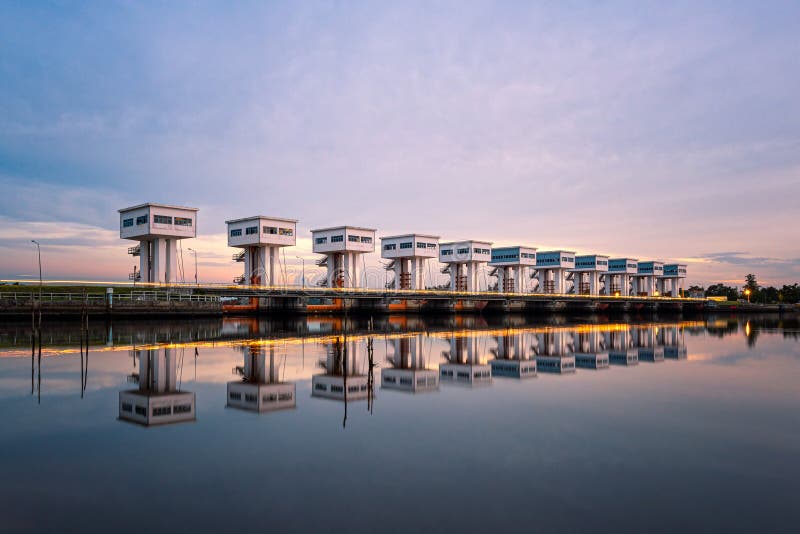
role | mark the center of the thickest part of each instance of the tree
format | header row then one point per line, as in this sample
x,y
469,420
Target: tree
x,y
721,290
790,293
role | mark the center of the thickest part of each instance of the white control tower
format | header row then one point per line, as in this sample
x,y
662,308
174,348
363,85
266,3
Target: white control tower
x,y
342,246
408,254
157,228
260,238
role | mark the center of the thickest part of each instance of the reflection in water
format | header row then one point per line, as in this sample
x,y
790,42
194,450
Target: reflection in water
x,y
620,346
466,360
512,357
645,339
159,399
555,353
409,366
346,375
590,348
260,389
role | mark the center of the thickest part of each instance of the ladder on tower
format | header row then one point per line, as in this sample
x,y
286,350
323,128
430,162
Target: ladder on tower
x,y
135,251
239,256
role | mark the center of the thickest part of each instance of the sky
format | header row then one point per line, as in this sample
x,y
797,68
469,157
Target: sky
x,y
663,130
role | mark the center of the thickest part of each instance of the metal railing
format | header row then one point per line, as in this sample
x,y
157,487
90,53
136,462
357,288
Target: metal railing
x,y
95,298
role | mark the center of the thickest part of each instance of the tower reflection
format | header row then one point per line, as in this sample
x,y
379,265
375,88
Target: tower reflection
x,y
260,388
409,371
158,399
346,374
621,350
514,356
466,360
645,339
555,353
590,348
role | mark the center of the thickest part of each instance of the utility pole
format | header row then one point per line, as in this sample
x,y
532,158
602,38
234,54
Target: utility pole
x,y
193,251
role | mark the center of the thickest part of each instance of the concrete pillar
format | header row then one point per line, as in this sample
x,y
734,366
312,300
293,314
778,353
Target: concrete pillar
x,y
269,259
354,261
500,272
593,283
414,273
144,261
158,261
331,269
171,263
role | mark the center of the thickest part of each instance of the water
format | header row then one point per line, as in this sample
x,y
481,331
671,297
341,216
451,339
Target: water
x,y
693,425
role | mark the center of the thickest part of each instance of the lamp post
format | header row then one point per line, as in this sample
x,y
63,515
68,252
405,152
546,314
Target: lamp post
x,y
193,251
39,251
747,294
304,270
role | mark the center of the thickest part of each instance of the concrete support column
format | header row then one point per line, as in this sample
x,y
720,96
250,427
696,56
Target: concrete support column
x,y
144,261
331,269
158,261
348,279
500,272
171,263
414,273
269,259
354,270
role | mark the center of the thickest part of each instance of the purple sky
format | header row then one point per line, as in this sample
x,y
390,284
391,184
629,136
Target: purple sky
x,y
659,131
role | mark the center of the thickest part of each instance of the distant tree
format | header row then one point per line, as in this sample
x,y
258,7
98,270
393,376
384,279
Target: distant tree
x,y
721,290
790,293
769,294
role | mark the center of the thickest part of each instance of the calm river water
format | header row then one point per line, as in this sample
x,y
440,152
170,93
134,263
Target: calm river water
x,y
402,425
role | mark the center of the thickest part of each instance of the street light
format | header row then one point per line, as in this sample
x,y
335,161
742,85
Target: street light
x,y
39,250
193,251
304,270
747,294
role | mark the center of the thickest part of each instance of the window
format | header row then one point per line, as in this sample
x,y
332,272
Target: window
x,y
365,239
390,246
446,252
422,245
183,221
406,381
127,223
389,379
127,407
406,245
431,245
236,232
336,389
162,219
337,238
141,219
270,230
482,251
140,410
249,397
321,240
182,408
320,387
353,239
286,231
284,396
251,230
463,251
235,396
162,410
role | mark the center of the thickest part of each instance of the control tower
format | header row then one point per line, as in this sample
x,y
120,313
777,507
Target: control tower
x,y
619,276
553,270
342,246
587,273
157,228
671,282
408,254
516,260
463,259
260,238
